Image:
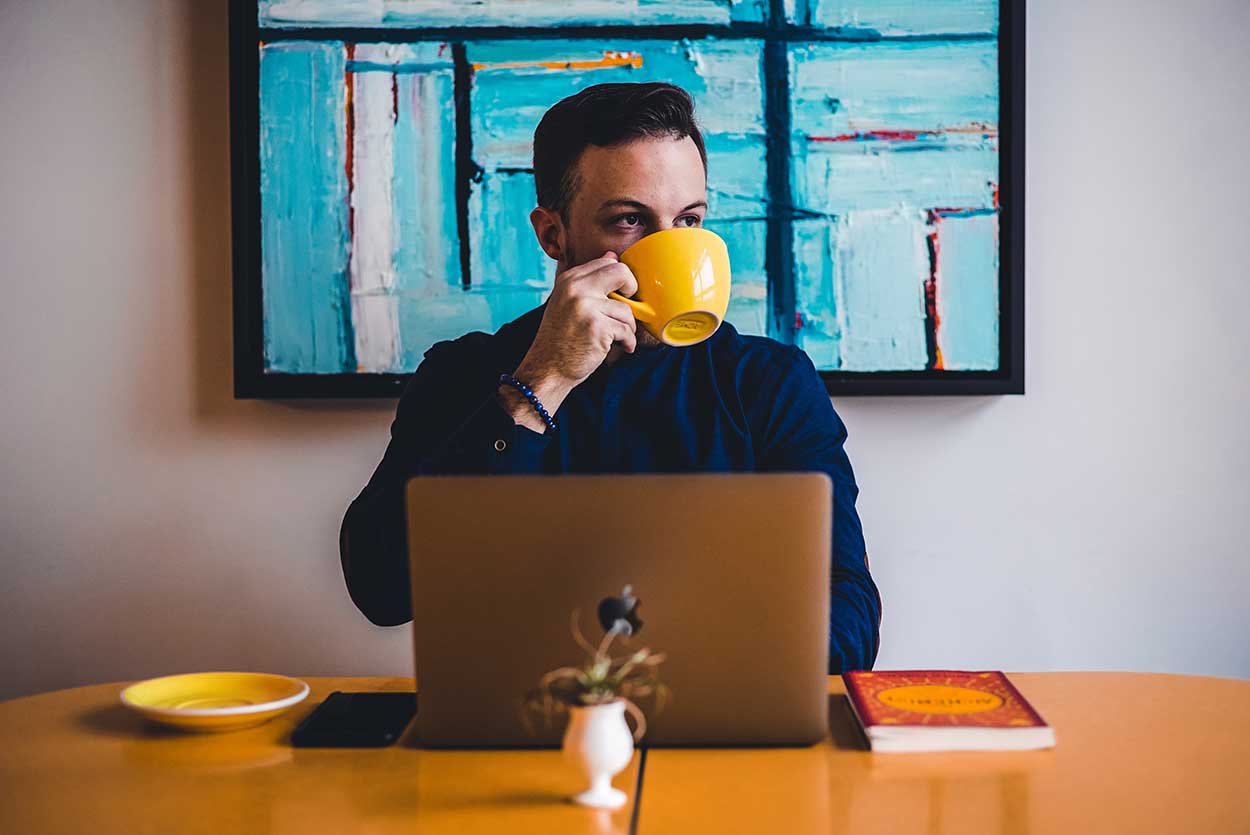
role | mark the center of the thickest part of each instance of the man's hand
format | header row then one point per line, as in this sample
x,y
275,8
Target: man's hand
x,y
579,327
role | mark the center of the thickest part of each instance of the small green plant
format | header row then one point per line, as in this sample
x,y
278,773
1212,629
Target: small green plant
x,y
603,678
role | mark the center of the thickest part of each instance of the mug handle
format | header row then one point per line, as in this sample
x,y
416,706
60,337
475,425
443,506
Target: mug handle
x,y
643,312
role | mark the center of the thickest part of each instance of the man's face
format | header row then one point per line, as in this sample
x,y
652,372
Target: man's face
x,y
625,192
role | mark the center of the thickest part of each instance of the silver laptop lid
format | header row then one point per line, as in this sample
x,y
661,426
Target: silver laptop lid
x,y
731,570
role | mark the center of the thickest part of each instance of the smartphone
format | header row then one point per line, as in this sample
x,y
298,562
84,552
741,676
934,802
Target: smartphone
x,y
356,720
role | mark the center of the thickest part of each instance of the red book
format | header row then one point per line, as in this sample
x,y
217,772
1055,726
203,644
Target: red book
x,y
944,710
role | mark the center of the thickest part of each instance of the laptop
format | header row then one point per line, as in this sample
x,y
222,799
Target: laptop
x,y
731,573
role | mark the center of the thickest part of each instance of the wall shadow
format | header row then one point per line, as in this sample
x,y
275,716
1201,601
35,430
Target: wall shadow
x,y
205,39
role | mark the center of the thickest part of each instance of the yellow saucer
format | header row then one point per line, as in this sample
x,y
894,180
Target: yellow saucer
x,y
214,702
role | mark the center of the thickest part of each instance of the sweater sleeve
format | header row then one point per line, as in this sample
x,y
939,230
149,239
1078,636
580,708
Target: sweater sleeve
x,y
802,432
448,422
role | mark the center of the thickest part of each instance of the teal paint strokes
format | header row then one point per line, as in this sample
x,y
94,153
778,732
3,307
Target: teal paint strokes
x,y
515,82
304,211
431,304
841,88
881,132
818,331
892,178
967,292
880,261
416,13
934,105
511,273
898,17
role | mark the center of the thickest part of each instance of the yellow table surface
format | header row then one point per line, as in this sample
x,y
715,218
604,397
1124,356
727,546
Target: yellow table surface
x,y
1137,753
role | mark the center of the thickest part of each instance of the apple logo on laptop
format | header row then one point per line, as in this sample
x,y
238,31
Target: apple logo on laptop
x,y
620,612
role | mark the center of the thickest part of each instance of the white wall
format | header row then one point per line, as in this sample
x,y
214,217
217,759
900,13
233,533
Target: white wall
x,y
151,524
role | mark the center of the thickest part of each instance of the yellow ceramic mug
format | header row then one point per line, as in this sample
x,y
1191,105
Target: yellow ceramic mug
x,y
683,284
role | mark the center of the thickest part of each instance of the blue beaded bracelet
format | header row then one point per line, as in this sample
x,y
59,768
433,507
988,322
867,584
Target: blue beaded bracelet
x,y
529,395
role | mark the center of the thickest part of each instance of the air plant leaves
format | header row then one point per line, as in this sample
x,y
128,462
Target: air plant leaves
x,y
603,678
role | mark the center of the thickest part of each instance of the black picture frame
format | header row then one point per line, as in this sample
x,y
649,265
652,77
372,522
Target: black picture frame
x,y
251,381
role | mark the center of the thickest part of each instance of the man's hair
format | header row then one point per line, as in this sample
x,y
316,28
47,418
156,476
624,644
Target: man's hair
x,y
605,115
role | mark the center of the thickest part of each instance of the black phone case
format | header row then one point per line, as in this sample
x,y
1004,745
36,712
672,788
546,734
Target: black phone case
x,y
356,720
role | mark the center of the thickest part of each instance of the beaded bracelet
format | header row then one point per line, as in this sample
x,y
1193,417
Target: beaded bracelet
x,y
529,395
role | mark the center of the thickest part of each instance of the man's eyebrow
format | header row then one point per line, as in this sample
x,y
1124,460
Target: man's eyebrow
x,y
634,204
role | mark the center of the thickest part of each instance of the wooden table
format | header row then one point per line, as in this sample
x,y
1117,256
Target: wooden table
x,y
1137,753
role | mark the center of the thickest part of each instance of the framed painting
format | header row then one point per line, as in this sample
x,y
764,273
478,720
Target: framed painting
x,y
866,168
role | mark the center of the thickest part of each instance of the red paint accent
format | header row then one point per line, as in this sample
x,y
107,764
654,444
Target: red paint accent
x,y
936,217
904,135
930,285
798,320
873,134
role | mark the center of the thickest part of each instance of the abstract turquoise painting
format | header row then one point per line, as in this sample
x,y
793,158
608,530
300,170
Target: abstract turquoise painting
x,y
865,168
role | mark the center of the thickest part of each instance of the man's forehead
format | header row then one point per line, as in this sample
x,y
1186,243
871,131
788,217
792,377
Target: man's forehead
x,y
658,173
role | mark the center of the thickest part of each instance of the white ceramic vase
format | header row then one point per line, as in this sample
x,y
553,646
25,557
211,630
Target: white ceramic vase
x,y
598,744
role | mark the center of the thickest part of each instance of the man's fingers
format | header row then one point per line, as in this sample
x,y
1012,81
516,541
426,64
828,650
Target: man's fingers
x,y
629,285
619,311
579,272
618,323
594,265
613,277
627,336
601,276
585,289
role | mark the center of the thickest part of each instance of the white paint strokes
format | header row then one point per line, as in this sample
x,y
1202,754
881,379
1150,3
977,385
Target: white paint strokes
x,y
374,318
427,100
732,103
338,11
881,262
501,12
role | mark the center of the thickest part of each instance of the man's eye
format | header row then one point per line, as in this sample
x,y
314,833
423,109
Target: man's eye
x,y
690,220
629,220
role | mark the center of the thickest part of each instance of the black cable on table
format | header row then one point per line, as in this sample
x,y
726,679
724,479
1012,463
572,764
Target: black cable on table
x,y
642,767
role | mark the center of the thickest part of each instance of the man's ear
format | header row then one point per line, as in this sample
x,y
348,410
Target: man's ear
x,y
549,229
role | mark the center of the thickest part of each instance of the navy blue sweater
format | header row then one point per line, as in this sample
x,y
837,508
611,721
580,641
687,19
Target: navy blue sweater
x,y
731,404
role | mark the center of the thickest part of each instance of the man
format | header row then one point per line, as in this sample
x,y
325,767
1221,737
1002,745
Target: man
x,y
612,163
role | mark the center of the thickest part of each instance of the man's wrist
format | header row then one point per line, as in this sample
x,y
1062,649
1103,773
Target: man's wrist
x,y
548,390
